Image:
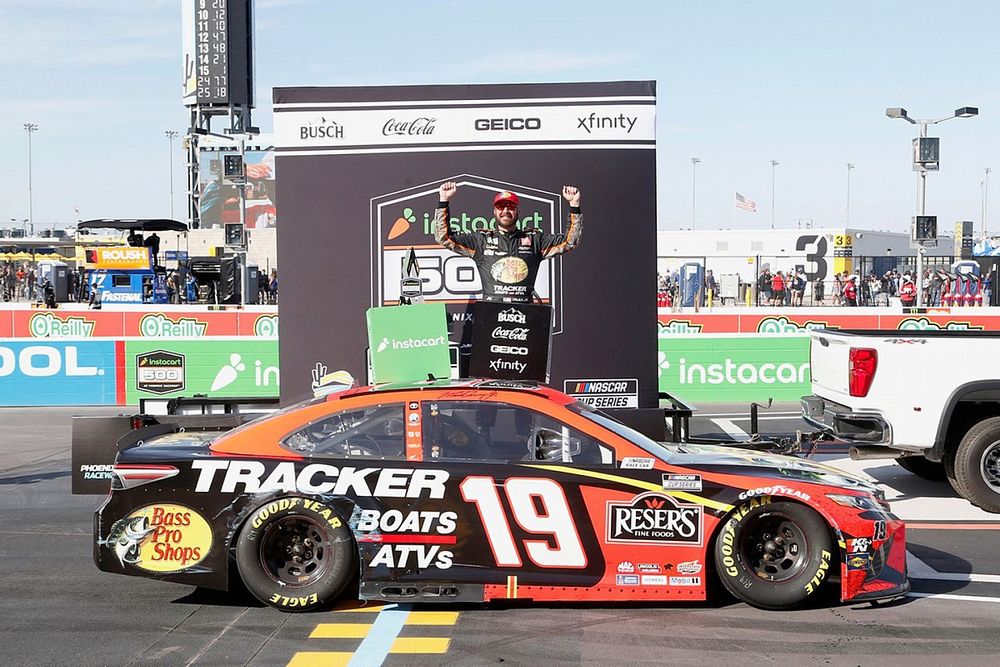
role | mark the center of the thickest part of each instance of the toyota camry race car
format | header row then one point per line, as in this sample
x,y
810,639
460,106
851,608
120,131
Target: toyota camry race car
x,y
470,491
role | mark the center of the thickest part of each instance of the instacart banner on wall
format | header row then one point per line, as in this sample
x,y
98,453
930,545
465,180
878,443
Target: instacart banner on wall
x,y
235,367
358,171
717,368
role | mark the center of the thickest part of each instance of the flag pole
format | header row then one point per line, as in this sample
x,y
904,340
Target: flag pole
x,y
734,213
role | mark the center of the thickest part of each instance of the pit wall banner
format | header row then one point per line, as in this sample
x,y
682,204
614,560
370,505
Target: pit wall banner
x,y
83,323
753,356
107,371
358,174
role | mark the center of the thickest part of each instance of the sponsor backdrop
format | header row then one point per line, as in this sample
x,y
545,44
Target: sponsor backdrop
x,y
80,372
358,172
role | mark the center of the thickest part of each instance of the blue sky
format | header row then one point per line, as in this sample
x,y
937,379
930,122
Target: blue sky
x,y
738,84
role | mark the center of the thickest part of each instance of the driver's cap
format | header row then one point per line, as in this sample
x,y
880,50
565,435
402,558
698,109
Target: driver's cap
x,y
508,197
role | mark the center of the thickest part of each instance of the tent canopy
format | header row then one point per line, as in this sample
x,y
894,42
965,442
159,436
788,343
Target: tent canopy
x,y
147,225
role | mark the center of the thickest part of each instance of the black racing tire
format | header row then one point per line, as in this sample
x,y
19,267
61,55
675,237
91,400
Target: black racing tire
x,y
923,468
775,554
295,554
977,465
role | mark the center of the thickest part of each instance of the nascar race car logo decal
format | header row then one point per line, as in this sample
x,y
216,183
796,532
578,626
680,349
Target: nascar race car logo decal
x,y
161,538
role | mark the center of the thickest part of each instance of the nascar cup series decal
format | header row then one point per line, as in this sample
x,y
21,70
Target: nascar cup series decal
x,y
161,538
604,393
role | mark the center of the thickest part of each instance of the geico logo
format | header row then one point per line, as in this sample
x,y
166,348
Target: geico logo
x,y
398,555
394,521
508,349
508,124
331,130
731,372
253,477
44,361
125,255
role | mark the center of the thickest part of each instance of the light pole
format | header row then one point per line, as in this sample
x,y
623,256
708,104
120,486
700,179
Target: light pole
x,y
921,164
774,163
849,167
30,128
171,135
694,165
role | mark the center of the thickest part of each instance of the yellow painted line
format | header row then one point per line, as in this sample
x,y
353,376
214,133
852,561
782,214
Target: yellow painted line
x,y
320,659
371,608
420,645
649,486
341,631
432,618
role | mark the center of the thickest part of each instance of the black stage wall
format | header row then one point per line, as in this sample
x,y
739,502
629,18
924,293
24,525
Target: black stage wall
x,y
357,176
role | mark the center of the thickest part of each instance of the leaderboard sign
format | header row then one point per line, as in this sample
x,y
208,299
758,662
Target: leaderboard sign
x,y
218,53
360,168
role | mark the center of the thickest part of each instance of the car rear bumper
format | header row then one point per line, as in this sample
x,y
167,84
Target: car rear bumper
x,y
845,424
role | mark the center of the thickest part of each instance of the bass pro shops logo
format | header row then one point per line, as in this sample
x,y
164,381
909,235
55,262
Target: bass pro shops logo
x,y
405,219
654,518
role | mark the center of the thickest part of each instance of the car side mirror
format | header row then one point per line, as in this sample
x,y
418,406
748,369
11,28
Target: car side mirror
x,y
545,444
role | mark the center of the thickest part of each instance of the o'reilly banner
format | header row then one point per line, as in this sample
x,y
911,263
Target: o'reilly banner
x,y
358,171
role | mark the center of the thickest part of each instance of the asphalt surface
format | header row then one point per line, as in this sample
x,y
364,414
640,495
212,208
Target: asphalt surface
x,y
58,609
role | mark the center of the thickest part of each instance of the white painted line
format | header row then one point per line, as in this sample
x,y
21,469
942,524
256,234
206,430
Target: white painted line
x,y
918,569
746,415
729,428
948,596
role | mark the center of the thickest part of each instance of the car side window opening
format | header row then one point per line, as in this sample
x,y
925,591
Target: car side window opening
x,y
373,432
505,433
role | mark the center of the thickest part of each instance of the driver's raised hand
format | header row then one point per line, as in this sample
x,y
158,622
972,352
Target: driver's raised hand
x,y
447,190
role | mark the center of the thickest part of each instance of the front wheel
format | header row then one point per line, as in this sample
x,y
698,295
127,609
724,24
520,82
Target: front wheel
x,y
295,554
774,555
977,465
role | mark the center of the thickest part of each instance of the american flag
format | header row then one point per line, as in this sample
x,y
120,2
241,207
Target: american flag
x,y
746,204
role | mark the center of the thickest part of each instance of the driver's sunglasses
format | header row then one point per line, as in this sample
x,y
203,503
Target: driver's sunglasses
x,y
505,205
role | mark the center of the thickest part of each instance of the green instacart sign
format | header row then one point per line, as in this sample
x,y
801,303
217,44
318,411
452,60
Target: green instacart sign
x,y
734,368
408,342
227,367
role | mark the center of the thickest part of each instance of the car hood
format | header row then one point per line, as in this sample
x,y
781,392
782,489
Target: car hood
x,y
766,465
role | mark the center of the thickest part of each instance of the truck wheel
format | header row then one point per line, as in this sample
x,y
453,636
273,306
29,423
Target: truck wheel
x,y
295,554
923,468
775,555
977,465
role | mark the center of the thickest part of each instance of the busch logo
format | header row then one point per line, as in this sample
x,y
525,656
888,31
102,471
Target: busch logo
x,y
517,333
654,518
322,129
512,315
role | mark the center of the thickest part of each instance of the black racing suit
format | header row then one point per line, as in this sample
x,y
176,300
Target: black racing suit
x,y
507,263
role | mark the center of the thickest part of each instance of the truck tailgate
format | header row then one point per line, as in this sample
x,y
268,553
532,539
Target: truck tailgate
x,y
829,362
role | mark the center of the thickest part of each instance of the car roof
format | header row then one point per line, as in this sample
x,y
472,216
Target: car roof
x,y
473,384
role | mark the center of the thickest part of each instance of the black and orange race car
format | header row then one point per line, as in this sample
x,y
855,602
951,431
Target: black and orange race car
x,y
462,491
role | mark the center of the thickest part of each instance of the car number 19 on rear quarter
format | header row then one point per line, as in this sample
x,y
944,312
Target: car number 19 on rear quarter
x,y
539,507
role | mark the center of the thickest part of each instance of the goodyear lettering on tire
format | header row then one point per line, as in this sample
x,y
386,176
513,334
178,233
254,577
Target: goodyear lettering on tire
x,y
292,602
729,548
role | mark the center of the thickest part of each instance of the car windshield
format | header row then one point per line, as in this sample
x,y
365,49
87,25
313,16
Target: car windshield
x,y
633,436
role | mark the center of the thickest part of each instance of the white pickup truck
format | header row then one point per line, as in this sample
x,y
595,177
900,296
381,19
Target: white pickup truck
x,y
929,399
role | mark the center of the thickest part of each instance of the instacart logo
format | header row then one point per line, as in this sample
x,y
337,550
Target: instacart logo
x,y
733,373
410,343
263,376
47,325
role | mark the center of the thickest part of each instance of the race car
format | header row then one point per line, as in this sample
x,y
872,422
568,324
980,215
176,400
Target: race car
x,y
480,490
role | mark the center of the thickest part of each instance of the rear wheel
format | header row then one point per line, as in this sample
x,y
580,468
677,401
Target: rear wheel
x,y
774,555
921,467
977,465
295,554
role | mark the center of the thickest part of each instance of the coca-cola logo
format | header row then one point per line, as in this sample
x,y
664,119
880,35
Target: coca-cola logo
x,y
517,333
417,126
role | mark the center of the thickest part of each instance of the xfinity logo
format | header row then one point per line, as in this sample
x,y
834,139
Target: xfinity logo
x,y
595,122
489,124
324,129
417,126
654,518
504,365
